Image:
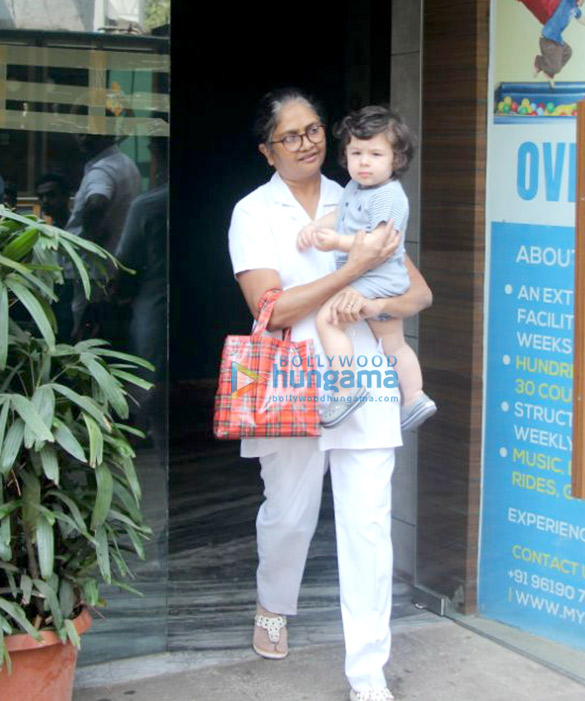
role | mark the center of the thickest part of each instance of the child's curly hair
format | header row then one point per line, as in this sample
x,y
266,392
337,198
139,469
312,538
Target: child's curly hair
x,y
378,119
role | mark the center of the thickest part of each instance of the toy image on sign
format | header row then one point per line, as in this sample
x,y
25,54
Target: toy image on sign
x,y
555,16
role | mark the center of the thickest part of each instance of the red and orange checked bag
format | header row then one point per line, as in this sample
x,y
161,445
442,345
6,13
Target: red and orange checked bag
x,y
254,397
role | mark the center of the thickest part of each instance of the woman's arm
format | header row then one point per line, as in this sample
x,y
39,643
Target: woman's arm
x,y
417,298
350,306
296,302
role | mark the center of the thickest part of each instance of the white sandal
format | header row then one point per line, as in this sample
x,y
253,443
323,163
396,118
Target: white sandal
x,y
273,625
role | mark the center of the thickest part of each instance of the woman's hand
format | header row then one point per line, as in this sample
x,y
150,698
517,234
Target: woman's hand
x,y
370,250
306,236
347,307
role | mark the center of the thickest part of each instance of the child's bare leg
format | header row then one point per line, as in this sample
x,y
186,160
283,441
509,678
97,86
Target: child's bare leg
x,y
391,334
338,347
335,341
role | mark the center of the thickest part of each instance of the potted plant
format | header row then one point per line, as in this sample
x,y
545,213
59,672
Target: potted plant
x,y
69,493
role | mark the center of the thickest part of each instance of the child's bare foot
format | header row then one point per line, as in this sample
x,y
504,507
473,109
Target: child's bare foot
x,y
270,634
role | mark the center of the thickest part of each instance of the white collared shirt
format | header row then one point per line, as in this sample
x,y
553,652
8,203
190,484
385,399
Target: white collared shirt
x,y
263,234
114,175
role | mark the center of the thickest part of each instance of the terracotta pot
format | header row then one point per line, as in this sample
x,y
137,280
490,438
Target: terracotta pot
x,y
41,671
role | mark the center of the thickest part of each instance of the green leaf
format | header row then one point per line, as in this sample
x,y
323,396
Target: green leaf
x,y
5,626
26,585
103,554
136,541
50,463
3,418
66,598
84,403
72,633
133,379
45,546
67,521
91,592
125,356
68,442
130,429
130,473
127,587
13,265
6,524
73,509
120,563
90,343
9,507
4,318
8,377
31,497
35,309
32,418
108,384
96,441
44,402
5,539
8,567
120,446
12,585
17,613
86,244
115,515
80,265
12,445
103,500
33,282
50,596
129,501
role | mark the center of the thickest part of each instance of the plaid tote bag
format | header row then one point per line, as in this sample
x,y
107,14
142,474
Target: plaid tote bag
x,y
266,388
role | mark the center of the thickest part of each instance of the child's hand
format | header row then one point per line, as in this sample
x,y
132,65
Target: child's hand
x,y
326,240
306,237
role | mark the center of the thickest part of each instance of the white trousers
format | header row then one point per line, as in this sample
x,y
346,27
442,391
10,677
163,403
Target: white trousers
x,y
286,523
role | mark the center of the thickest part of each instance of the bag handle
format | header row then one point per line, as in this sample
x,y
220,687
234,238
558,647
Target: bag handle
x,y
266,307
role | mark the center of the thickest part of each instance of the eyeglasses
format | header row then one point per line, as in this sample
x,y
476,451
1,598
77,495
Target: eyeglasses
x,y
293,142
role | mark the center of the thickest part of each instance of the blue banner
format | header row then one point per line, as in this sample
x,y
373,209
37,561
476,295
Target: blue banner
x,y
532,565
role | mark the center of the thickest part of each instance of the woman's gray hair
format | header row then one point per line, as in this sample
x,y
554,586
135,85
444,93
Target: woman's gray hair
x,y
269,109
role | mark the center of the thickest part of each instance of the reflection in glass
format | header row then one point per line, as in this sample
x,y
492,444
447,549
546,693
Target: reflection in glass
x,y
83,132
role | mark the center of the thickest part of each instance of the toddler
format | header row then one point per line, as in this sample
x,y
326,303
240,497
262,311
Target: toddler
x,y
376,146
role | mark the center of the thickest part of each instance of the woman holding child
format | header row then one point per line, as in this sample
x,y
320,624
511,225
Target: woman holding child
x,y
268,251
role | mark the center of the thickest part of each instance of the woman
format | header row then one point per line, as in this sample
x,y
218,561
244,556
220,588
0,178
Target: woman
x,y
360,453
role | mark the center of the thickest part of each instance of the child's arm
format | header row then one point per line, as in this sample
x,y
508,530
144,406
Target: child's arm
x,y
306,236
327,239
330,240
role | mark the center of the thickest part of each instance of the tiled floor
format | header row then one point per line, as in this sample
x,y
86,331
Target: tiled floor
x,y
210,590
213,558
